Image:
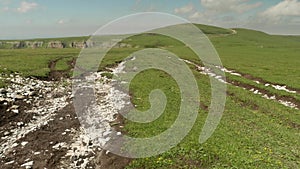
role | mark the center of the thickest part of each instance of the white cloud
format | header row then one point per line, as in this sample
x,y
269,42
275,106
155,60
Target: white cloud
x,y
284,14
284,8
225,6
27,6
61,21
185,9
196,15
214,11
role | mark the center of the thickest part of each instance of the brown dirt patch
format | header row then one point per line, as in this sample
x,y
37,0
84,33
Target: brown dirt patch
x,y
43,140
265,92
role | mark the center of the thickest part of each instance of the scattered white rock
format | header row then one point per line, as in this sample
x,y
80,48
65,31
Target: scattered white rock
x,y
27,165
59,145
6,133
256,92
235,74
205,71
20,123
15,111
15,145
14,107
24,143
19,97
10,162
278,87
43,108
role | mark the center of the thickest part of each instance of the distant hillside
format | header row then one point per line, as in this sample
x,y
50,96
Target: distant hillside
x,y
245,36
207,29
81,42
72,42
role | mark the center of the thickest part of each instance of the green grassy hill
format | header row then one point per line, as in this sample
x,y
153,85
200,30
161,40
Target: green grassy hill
x,y
248,51
213,30
254,132
274,58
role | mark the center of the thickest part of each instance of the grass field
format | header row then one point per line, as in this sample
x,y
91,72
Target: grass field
x,y
34,62
253,133
270,57
260,137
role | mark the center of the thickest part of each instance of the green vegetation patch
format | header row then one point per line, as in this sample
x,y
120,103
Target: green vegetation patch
x,y
32,62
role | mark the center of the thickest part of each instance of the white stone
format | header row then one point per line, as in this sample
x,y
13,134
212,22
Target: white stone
x,y
24,143
27,165
59,145
10,162
2,99
15,111
6,133
37,153
20,123
20,97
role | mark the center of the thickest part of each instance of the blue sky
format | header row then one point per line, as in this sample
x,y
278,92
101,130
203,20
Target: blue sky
x,y
22,19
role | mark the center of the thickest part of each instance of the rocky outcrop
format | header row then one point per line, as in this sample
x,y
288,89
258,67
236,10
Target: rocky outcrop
x,y
78,44
34,44
56,44
21,44
15,44
60,44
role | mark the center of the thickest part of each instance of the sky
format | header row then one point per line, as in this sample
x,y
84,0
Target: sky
x,y
25,19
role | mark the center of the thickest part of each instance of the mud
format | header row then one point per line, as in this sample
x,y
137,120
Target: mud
x,y
45,130
50,142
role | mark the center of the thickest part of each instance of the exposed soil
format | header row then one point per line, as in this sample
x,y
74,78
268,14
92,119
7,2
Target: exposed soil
x,y
40,142
265,92
262,81
57,75
110,161
106,160
9,119
45,146
286,100
42,146
255,107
